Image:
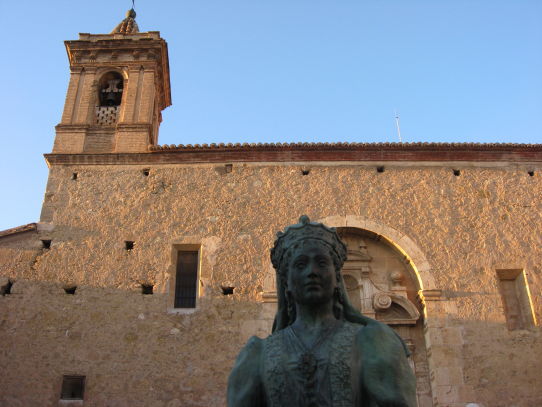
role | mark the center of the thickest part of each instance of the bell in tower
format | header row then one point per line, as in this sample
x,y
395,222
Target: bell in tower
x,y
119,85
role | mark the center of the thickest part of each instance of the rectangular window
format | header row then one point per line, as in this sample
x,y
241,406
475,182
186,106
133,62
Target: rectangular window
x,y
73,388
516,299
186,279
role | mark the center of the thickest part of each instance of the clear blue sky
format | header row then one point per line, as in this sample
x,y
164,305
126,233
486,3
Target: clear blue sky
x,y
284,70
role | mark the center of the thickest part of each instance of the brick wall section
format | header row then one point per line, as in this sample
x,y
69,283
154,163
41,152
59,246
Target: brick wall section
x,y
129,99
99,141
135,139
69,139
71,94
85,109
147,98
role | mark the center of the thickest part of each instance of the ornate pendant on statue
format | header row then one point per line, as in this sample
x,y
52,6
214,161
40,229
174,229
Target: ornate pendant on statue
x,y
307,365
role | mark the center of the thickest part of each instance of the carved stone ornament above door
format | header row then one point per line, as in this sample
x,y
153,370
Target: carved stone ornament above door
x,y
378,280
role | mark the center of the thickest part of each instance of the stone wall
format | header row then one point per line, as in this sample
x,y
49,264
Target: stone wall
x,y
457,230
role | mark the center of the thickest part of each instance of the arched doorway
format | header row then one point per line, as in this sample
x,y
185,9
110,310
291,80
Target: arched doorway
x,y
382,284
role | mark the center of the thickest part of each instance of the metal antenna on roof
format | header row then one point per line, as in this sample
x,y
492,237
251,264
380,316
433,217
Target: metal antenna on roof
x,y
398,127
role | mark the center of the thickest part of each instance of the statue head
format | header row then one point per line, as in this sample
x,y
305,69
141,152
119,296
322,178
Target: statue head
x,y
304,239
295,236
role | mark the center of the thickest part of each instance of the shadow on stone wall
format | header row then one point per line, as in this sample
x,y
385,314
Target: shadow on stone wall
x,y
131,350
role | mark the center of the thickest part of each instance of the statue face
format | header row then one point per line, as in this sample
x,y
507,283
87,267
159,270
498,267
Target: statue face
x,y
311,274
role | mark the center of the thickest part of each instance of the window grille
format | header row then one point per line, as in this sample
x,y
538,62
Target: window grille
x,y
186,279
73,388
106,115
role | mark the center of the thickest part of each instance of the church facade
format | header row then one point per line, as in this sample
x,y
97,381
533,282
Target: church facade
x,y
149,267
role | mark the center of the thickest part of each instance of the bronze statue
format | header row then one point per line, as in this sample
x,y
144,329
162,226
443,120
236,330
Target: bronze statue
x,y
322,352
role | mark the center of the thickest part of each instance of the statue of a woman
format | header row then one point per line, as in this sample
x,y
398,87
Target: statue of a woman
x,y
322,352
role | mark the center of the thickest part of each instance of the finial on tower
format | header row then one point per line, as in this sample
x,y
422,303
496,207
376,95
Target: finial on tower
x,y
128,25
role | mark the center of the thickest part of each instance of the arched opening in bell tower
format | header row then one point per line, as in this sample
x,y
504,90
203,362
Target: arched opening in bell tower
x,y
110,88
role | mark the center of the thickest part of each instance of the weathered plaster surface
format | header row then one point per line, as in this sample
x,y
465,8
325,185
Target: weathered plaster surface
x,y
134,353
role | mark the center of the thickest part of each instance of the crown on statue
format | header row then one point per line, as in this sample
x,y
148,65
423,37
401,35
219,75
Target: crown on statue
x,y
304,230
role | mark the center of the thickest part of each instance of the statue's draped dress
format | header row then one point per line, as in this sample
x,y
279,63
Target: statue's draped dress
x,y
319,377
353,365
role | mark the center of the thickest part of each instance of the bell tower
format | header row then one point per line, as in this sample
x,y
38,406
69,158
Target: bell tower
x,y
119,85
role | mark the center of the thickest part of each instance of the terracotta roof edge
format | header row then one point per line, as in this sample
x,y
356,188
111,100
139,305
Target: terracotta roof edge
x,y
19,229
340,146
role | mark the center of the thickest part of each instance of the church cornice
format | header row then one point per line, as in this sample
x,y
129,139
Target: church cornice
x,y
314,152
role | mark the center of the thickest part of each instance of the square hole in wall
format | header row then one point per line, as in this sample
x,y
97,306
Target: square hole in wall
x,y
147,289
73,388
129,245
46,244
6,289
70,290
227,290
